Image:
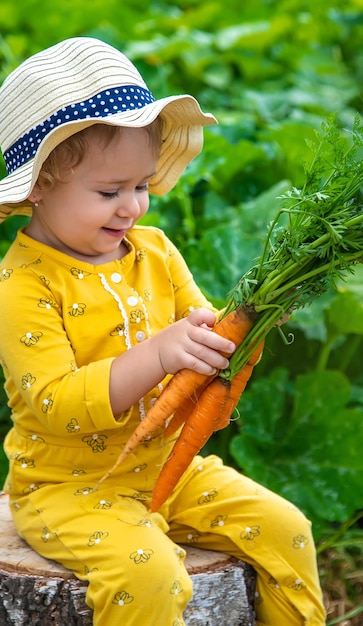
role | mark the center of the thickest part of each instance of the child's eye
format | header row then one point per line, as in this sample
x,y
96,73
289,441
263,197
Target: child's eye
x,y
143,187
109,194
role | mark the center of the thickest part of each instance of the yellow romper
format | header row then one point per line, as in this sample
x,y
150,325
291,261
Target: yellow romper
x,y
63,321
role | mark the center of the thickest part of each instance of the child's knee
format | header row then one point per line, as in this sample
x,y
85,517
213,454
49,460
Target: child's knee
x,y
151,578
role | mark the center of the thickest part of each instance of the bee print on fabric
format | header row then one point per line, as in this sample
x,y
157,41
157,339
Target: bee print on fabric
x,y
176,588
122,597
47,403
83,491
96,538
77,273
174,286
88,571
250,533
298,585
45,280
27,381
138,468
96,442
147,295
218,521
137,316
198,469
47,534
208,496
145,522
23,461
47,303
73,426
193,537
77,309
78,472
31,339
119,331
180,553
273,583
30,488
299,542
141,254
73,367
103,504
35,437
5,274
139,495
141,556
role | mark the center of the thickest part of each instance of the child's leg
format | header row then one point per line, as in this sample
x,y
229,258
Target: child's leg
x,y
217,508
135,572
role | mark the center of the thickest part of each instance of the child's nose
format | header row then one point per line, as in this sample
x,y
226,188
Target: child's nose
x,y
129,205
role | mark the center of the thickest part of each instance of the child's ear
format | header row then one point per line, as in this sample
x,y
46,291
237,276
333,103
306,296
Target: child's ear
x,y
35,195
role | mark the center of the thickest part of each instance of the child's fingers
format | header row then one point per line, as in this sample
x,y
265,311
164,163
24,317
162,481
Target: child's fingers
x,y
205,338
202,317
203,354
202,322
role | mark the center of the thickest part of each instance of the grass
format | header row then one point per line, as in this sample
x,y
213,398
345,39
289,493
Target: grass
x,y
341,574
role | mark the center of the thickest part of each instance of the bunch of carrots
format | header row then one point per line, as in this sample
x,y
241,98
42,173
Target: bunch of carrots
x,y
315,240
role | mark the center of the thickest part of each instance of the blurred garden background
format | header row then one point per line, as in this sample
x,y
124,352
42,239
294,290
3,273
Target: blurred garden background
x,y
271,72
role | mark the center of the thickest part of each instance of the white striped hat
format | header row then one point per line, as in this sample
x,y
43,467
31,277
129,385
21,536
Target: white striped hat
x,y
76,83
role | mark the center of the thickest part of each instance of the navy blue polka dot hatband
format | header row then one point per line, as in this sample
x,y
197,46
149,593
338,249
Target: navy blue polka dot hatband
x,y
72,85
102,105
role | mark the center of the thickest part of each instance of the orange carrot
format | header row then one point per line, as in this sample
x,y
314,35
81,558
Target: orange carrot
x,y
238,385
185,408
212,412
189,403
195,433
234,327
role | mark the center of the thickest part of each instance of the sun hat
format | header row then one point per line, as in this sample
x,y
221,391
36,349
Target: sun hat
x,y
76,83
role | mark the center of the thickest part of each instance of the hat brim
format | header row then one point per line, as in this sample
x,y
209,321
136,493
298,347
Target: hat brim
x,y
183,123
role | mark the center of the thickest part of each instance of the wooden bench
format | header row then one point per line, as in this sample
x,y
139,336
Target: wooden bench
x,y
39,592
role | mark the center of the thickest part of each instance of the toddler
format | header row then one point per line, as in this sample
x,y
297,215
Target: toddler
x,y
96,313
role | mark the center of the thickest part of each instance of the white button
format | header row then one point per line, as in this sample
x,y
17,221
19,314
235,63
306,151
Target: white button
x,y
132,301
116,277
140,335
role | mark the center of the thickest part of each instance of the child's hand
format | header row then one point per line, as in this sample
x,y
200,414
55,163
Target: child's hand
x,y
189,343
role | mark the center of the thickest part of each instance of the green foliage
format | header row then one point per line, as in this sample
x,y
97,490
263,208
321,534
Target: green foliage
x,y
271,72
306,434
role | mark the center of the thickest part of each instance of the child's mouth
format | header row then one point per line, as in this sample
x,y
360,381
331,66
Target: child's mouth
x,y
116,233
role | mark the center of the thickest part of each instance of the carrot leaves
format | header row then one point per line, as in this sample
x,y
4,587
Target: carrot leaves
x,y
315,240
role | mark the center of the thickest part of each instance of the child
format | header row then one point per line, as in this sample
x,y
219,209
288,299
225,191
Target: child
x,y
96,313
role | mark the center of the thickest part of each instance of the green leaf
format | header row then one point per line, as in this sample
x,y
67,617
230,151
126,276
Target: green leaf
x,y
345,314
306,444
233,251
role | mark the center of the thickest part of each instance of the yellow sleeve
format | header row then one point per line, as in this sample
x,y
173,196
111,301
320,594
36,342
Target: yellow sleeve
x,y
42,378
188,295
